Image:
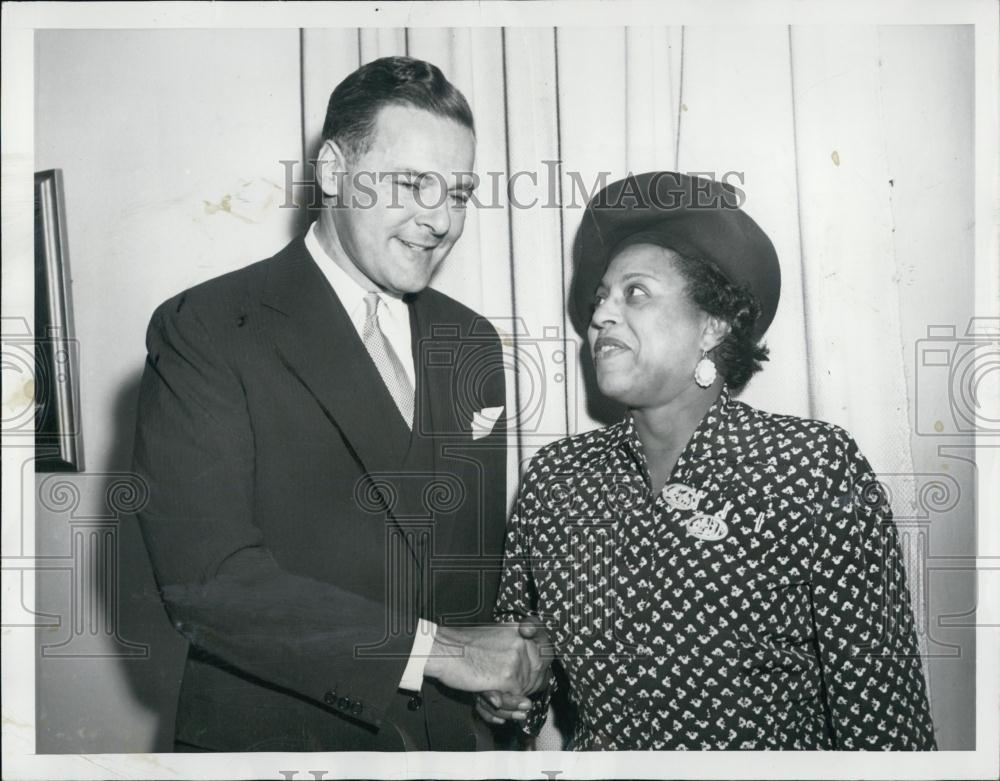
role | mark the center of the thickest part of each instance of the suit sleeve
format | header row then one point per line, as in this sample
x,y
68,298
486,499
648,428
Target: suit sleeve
x,y
518,597
222,587
871,666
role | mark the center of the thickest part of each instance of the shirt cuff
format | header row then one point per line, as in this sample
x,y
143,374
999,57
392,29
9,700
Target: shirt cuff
x,y
413,675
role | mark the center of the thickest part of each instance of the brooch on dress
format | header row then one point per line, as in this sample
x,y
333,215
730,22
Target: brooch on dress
x,y
681,497
710,528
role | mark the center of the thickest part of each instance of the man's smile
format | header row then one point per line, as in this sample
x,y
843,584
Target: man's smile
x,y
417,247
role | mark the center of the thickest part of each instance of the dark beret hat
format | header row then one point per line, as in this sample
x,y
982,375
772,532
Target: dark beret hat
x,y
697,218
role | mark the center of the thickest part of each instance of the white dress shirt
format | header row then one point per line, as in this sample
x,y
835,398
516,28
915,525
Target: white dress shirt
x,y
393,313
394,320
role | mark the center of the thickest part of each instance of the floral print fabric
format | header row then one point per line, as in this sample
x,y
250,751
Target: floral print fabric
x,y
758,602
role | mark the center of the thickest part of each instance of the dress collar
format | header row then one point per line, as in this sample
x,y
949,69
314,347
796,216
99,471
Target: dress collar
x,y
710,439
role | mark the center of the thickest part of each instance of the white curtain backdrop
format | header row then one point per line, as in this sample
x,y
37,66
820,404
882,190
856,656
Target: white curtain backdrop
x,y
812,122
805,136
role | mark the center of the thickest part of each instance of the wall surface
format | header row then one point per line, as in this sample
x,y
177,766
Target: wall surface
x,y
168,141
929,148
171,145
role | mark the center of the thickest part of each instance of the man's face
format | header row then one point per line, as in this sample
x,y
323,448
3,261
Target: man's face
x,y
401,204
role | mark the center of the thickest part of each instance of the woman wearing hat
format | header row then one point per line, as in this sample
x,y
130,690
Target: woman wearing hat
x,y
711,576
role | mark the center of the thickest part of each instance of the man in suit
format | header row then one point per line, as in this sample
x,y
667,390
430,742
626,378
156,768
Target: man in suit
x,y
323,438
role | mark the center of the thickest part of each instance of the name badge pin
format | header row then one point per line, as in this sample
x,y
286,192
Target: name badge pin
x,y
710,528
681,497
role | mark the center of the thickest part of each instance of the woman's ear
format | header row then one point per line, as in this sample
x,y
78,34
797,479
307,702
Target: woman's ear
x,y
716,329
331,167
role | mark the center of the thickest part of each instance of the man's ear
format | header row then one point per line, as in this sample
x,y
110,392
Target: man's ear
x,y
716,329
331,167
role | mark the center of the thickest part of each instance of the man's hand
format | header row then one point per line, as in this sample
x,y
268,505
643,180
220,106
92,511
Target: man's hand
x,y
496,707
502,658
499,657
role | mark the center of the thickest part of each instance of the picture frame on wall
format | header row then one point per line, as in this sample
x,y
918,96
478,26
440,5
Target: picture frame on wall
x,y
58,438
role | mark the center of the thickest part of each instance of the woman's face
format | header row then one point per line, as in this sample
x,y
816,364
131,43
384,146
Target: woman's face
x,y
645,335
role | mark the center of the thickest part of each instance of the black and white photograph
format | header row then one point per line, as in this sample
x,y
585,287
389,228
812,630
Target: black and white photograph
x,y
501,390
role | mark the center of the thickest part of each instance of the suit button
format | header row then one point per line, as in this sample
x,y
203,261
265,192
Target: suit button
x,y
356,708
343,702
415,702
330,698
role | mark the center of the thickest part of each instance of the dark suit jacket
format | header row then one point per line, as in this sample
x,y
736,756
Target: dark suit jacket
x,y
296,528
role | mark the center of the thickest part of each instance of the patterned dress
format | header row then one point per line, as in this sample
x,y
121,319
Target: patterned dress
x,y
758,602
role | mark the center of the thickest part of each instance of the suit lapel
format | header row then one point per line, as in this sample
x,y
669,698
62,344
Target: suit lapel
x,y
435,376
436,359
317,342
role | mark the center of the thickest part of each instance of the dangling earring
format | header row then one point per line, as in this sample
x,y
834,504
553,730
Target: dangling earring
x,y
705,372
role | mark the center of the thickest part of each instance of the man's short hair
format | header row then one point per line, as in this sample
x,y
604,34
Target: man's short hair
x,y
401,81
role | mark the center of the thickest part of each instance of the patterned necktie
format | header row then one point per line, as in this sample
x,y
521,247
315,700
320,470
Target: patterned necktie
x,y
386,360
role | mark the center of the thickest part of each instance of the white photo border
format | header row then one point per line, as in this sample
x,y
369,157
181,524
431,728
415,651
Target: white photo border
x,y
18,684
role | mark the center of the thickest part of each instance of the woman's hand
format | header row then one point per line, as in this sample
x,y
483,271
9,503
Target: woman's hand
x,y
532,628
500,707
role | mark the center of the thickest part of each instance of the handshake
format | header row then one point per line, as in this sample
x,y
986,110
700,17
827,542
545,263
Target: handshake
x,y
502,663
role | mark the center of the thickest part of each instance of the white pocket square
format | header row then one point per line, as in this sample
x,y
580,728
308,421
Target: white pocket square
x,y
484,421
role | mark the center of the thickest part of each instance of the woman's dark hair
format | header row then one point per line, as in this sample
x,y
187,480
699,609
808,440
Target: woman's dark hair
x,y
738,356
402,81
